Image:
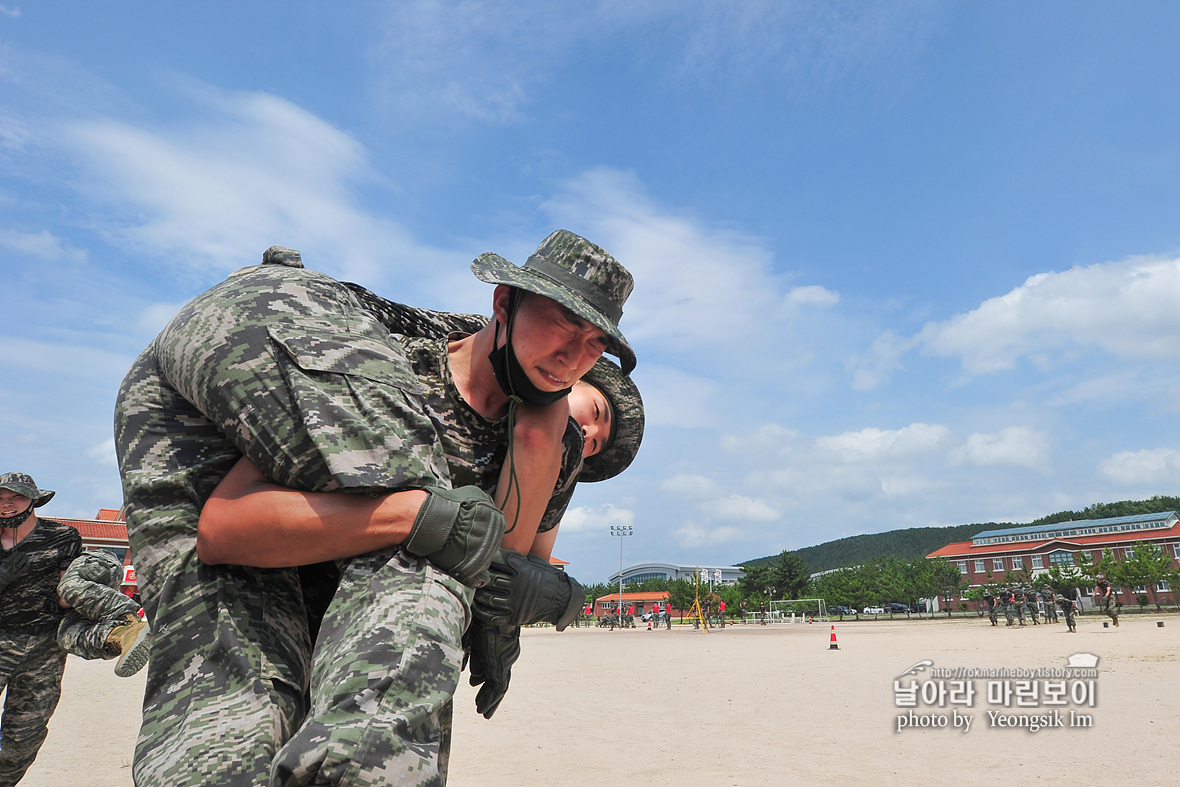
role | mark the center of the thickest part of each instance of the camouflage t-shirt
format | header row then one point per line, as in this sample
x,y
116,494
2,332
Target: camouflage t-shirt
x,y
29,604
476,446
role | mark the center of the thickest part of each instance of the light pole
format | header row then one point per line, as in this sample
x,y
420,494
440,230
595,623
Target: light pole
x,y
621,531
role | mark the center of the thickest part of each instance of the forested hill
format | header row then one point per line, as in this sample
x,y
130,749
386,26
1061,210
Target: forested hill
x,y
916,541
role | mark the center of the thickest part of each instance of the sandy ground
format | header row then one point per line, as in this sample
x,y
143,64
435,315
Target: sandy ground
x,y
748,705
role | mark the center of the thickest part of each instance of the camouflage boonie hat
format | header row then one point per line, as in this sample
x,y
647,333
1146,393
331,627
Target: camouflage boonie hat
x,y
626,422
577,274
24,485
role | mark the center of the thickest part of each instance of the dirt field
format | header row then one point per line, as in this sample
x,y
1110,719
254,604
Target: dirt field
x,y
753,705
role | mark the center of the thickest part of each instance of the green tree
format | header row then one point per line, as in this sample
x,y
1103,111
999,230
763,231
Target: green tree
x,y
790,575
681,595
946,580
1147,565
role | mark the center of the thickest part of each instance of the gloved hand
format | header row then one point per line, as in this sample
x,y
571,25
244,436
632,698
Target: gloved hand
x,y
12,567
492,650
527,590
458,530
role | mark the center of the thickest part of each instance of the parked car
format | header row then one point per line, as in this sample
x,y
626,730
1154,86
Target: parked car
x,y
873,611
840,609
896,606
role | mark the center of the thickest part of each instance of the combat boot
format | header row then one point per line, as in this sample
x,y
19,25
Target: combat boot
x,y
132,640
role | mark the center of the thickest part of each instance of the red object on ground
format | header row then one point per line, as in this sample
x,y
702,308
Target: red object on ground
x,y
833,645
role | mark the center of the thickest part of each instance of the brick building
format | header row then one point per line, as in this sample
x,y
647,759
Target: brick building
x,y
987,556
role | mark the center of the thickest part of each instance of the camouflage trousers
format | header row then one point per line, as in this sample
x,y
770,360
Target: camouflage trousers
x,y
992,616
1109,607
31,667
278,364
1069,618
91,587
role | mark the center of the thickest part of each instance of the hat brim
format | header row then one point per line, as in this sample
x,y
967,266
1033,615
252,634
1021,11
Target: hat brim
x,y
494,269
627,413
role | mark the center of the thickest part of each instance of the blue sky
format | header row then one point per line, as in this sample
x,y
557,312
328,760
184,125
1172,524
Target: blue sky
x,y
897,264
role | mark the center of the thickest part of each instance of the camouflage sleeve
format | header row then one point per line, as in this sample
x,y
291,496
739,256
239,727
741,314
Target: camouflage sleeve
x,y
567,479
413,321
308,385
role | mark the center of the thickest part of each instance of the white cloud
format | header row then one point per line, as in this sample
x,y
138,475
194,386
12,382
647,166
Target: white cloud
x,y
691,487
248,170
595,518
677,398
740,508
42,245
10,11
874,445
1019,446
697,288
882,359
483,60
1126,308
692,534
812,295
63,359
154,317
104,453
1142,468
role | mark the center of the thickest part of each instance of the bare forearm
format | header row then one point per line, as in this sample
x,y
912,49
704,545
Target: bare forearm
x,y
251,521
537,458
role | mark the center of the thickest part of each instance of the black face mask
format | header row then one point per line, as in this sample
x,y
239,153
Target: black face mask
x,y
510,374
18,520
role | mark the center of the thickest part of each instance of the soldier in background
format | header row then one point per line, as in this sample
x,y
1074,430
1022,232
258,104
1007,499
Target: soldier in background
x,y
1069,608
33,554
1050,604
1008,596
990,602
1030,601
1106,599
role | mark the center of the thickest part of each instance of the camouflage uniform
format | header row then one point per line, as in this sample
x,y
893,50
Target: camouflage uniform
x,y
91,587
1009,599
1030,601
991,609
1107,603
1050,605
1069,609
31,663
287,367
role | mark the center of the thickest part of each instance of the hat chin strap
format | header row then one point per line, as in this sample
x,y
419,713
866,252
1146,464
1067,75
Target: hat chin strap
x,y
16,521
509,373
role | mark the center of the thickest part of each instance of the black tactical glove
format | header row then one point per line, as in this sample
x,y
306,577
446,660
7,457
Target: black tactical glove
x,y
527,590
458,530
492,650
12,567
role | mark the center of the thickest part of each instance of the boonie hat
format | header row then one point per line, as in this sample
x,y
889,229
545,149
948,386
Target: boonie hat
x,y
580,276
626,422
23,485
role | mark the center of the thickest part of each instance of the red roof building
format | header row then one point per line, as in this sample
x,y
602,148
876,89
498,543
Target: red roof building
x,y
988,555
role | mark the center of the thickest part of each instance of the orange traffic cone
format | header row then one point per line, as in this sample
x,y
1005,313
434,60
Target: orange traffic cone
x,y
833,645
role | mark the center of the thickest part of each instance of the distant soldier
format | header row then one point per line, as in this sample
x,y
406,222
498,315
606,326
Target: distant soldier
x,y
990,602
1008,596
1106,599
1030,602
1050,604
1070,608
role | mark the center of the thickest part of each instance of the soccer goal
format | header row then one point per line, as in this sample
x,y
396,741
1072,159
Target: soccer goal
x,y
802,608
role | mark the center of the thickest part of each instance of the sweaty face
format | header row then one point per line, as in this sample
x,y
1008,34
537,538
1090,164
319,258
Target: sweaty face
x,y
592,412
554,346
11,503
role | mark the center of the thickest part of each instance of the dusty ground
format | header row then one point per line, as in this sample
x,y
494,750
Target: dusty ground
x,y
749,705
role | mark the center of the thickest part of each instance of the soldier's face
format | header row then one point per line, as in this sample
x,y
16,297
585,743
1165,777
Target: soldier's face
x,y
12,504
554,346
592,412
